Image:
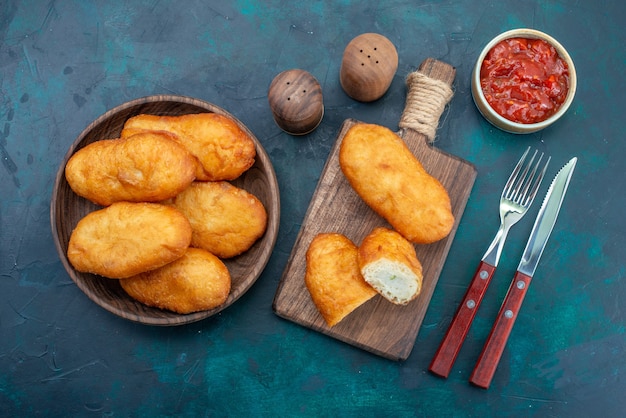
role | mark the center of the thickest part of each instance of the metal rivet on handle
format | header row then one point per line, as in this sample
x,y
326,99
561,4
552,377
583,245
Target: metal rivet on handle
x,y
471,304
521,284
483,274
508,314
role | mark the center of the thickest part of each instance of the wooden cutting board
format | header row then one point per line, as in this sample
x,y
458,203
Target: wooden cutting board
x,y
377,326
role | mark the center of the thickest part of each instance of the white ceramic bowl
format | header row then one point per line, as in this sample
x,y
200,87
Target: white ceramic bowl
x,y
501,122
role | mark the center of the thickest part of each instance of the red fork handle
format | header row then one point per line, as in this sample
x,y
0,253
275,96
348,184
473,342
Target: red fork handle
x,y
460,325
492,351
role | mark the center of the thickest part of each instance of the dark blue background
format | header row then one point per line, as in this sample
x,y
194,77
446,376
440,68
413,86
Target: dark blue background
x,y
64,63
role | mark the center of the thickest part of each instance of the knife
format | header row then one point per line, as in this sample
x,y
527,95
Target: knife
x,y
546,218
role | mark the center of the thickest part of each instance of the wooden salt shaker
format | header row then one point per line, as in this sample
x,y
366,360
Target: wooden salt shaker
x,y
369,63
296,101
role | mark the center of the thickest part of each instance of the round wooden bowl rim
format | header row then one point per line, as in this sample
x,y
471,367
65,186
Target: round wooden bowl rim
x,y
154,316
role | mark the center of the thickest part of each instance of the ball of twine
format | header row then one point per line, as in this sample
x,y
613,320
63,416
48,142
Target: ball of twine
x,y
425,102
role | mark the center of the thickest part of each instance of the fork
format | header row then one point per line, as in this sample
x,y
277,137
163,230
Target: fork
x,y
517,196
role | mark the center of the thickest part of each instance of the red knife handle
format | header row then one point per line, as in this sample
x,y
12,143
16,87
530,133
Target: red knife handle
x,y
492,351
460,325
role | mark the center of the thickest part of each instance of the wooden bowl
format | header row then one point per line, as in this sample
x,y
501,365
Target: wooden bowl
x,y
67,208
501,122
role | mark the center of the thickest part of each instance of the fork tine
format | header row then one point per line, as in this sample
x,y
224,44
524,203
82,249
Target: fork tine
x,y
522,180
522,191
518,176
535,186
524,187
513,177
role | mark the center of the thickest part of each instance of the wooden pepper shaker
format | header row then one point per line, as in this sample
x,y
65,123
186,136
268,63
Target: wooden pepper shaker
x,y
295,97
368,66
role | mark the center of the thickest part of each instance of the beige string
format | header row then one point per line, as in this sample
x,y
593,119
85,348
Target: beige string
x,y
425,102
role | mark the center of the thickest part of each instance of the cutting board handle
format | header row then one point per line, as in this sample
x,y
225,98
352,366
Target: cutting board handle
x,y
429,91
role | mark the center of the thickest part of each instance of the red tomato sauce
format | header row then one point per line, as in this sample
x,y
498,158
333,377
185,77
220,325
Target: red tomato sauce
x,y
524,80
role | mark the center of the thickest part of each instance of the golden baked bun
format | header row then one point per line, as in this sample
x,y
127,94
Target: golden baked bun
x,y
389,264
147,167
222,148
333,277
387,176
197,281
126,239
225,219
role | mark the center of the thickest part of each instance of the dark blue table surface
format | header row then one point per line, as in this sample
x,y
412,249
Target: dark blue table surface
x,y
64,63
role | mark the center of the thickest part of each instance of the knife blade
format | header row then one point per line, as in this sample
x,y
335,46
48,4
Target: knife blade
x,y
546,218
